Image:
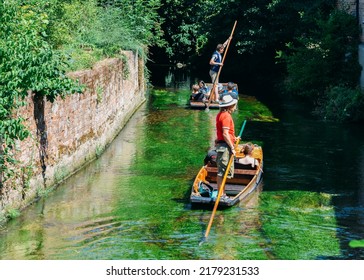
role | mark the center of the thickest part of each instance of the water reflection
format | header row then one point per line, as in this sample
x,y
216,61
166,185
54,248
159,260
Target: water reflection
x,y
78,211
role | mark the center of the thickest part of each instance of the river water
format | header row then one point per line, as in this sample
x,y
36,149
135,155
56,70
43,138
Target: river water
x,y
132,202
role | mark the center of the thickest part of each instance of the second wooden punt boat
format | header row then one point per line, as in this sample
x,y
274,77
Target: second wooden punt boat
x,y
245,181
199,104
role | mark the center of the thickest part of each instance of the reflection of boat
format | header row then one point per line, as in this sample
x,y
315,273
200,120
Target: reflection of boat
x,y
203,104
239,188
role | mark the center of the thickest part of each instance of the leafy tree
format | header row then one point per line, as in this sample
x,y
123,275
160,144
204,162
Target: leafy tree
x,y
127,24
191,25
97,29
184,27
324,57
327,55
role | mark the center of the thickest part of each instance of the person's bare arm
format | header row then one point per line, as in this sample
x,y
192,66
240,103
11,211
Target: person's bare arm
x,y
213,62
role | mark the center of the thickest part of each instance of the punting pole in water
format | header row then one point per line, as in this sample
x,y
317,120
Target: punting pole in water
x,y
222,185
212,92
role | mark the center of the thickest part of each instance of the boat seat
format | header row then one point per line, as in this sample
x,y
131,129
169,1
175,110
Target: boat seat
x,y
236,171
237,165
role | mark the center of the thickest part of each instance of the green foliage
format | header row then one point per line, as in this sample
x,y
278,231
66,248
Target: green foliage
x,y
28,61
268,25
323,64
356,243
126,70
185,29
98,29
342,104
82,58
73,20
12,213
99,93
262,26
324,57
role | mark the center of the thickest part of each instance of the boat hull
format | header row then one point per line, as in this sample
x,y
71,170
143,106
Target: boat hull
x,y
203,105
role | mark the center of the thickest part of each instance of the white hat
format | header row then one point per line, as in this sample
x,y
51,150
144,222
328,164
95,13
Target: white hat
x,y
227,101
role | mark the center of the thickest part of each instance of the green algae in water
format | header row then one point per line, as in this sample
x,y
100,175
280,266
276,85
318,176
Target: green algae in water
x,y
164,99
299,225
171,151
356,243
251,109
146,215
152,217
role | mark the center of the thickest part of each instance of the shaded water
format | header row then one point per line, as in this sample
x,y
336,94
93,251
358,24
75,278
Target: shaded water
x,y
132,203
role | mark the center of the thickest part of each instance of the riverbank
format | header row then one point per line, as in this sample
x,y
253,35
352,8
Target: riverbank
x,y
69,133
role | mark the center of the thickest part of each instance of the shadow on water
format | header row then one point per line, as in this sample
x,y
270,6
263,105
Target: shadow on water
x,y
309,155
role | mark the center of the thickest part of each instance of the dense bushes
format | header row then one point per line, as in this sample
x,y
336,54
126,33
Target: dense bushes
x,y
342,104
106,27
323,67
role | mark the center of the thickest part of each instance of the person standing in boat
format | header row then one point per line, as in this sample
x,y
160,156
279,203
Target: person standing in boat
x,y
225,138
216,63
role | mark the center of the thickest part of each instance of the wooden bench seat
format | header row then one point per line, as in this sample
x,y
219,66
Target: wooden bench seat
x,y
236,171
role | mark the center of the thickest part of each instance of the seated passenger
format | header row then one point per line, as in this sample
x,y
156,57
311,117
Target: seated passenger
x,y
231,90
210,157
204,90
248,159
196,94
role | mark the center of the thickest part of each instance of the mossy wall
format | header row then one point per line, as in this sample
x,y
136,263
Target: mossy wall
x,y
69,133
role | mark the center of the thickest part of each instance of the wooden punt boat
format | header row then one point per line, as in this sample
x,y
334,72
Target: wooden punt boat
x,y
239,188
203,104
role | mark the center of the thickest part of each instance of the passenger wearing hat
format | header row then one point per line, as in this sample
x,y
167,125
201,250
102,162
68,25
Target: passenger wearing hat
x,y
225,132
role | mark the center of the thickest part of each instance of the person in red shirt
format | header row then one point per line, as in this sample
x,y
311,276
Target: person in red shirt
x,y
225,140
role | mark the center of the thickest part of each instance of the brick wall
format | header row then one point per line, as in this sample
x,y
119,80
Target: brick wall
x,y
76,129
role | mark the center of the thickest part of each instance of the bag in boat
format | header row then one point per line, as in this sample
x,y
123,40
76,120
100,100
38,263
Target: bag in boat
x,y
204,189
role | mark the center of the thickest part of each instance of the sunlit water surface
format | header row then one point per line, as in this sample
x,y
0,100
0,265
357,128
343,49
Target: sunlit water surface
x,y
132,202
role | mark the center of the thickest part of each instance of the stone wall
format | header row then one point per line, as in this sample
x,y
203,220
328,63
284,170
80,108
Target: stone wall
x,y
67,134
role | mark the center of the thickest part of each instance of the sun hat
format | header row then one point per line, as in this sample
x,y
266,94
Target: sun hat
x,y
227,101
